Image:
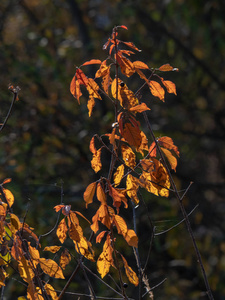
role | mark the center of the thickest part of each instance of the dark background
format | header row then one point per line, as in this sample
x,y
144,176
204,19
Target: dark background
x,y
45,143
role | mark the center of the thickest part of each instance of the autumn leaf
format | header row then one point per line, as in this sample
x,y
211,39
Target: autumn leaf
x,y
167,67
117,197
170,86
147,165
65,259
131,238
126,66
156,89
152,150
167,142
131,275
140,65
93,88
9,196
101,215
75,232
81,77
92,146
62,230
52,249
132,134
92,62
50,291
132,186
51,268
104,72
90,105
96,161
101,196
17,250
120,224
15,223
100,236
7,180
84,248
128,156
75,89
118,175
139,108
171,159
89,193
144,143
25,270
58,207
105,260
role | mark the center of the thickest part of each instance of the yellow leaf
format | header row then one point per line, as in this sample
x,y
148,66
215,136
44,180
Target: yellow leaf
x,y
132,186
50,291
170,86
140,65
84,248
93,88
144,144
172,159
131,275
90,105
3,276
104,72
9,196
120,225
96,161
65,259
117,197
52,249
15,223
156,89
62,230
128,156
101,194
51,268
25,269
105,259
131,238
167,67
92,145
118,175
89,193
33,292
75,232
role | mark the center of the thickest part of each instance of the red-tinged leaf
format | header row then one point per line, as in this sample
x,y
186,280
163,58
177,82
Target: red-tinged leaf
x,y
156,90
140,65
92,62
111,49
117,197
139,108
51,268
171,159
128,156
131,275
118,175
81,77
96,161
123,26
58,207
167,143
75,89
62,230
131,45
100,236
89,193
166,67
92,145
7,180
170,86
101,194
90,105
132,135
152,150
52,249
65,259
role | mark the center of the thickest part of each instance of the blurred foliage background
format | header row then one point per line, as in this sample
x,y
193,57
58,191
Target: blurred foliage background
x,y
45,143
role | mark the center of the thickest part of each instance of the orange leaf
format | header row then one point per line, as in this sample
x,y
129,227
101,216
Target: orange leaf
x,y
118,175
89,193
144,143
51,268
65,259
17,250
96,161
25,269
123,26
81,77
15,223
152,150
132,135
62,230
117,197
58,207
126,66
170,86
167,67
101,215
128,156
90,105
75,89
172,159
52,249
105,259
92,62
83,248
93,88
132,186
75,232
131,238
50,291
131,275
34,253
101,194
156,89
140,65
92,146
100,236
167,143
131,45
9,196
7,180
120,225
139,108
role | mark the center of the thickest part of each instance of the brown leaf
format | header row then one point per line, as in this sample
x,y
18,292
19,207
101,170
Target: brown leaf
x,y
167,143
52,249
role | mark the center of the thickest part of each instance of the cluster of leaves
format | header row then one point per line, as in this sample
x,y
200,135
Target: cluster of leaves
x,y
127,174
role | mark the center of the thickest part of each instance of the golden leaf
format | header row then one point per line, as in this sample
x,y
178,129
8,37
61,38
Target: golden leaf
x,y
84,248
75,89
75,232
156,89
51,268
25,270
92,145
170,86
65,259
81,77
100,236
140,65
167,67
93,88
118,175
105,259
117,197
17,250
92,62
144,143
52,249
120,225
15,223
9,197
132,186
128,156
96,161
50,291
100,194
172,159
62,230
89,193
131,238
131,275
90,105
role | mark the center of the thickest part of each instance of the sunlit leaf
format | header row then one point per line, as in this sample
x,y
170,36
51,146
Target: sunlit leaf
x,y
51,268
139,108
89,193
156,90
140,65
50,291
170,86
132,134
65,259
128,156
84,248
9,196
92,145
25,269
132,186
152,150
7,180
131,275
92,62
58,207
100,236
167,67
93,88
81,77
167,142
100,194
15,223
75,232
118,175
105,260
52,249
131,238
117,197
62,230
96,161
75,89
144,143
90,105
171,159
126,66
121,225
3,276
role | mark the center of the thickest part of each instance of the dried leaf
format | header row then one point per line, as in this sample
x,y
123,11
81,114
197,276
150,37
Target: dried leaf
x,y
172,159
81,77
92,146
52,249
118,175
65,259
90,105
75,89
126,66
100,236
84,248
51,268
101,194
96,161
9,196
170,86
156,90
117,197
58,207
89,193
131,238
167,67
131,275
140,65
50,291
15,223
167,142
128,156
105,259
25,270
132,134
93,88
62,230
132,186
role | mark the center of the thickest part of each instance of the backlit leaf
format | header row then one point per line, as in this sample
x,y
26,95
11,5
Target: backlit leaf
x,y
140,65
172,159
131,238
75,89
7,180
50,291
93,88
92,146
156,89
15,222
9,196
101,194
100,236
81,77
167,142
75,232
132,134
152,149
118,175
170,86
92,62
126,66
117,197
62,230
139,108
84,248
132,186
96,161
51,268
65,259
144,143
58,207
90,105
121,225
52,249
89,193
166,67
105,260
25,270
131,275
128,156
